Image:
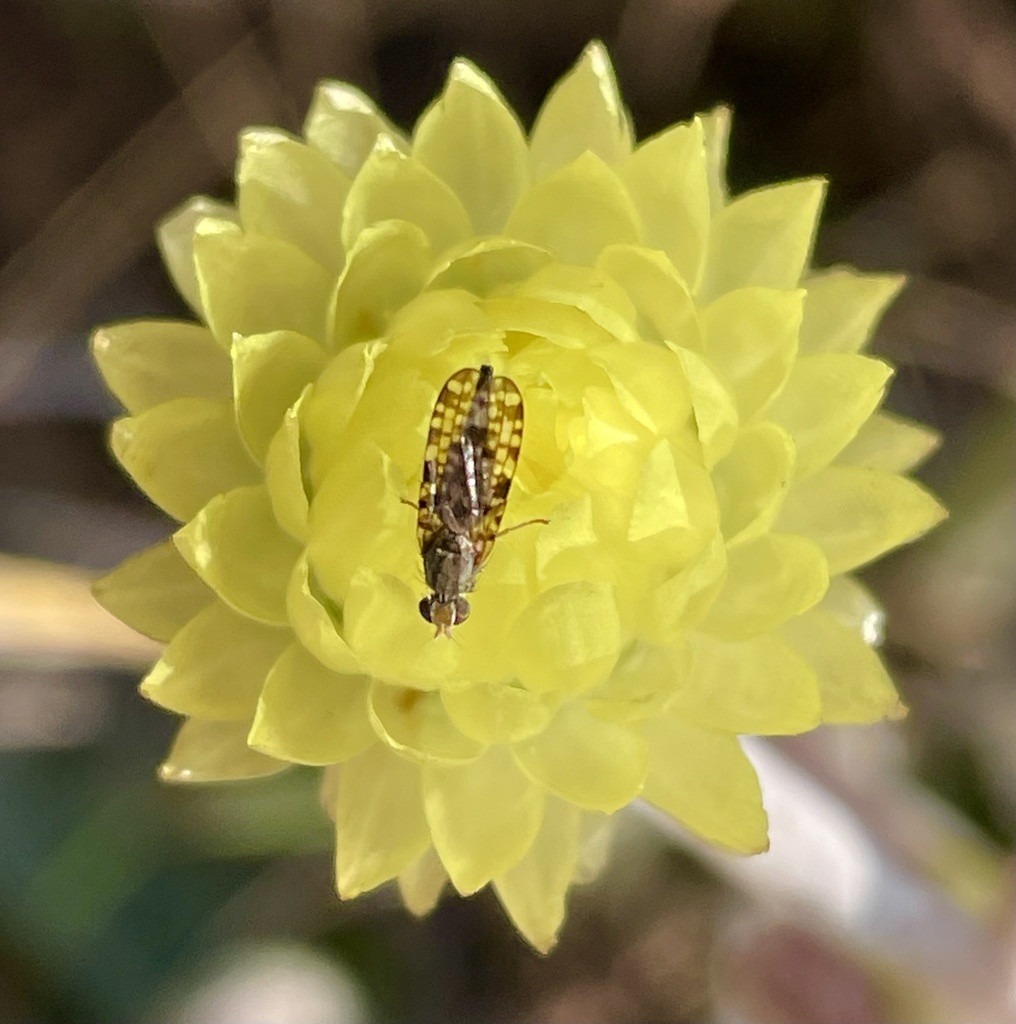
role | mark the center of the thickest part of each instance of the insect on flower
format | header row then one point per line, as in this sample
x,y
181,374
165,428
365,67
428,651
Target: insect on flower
x,y
468,466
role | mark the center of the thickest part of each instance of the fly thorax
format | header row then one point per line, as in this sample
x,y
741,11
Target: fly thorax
x,y
448,565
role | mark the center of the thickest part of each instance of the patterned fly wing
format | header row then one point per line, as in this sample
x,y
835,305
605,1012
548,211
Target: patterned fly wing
x,y
500,460
470,460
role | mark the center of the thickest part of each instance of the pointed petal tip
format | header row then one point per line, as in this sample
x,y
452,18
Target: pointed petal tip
x,y
254,741
463,71
387,145
597,55
544,945
192,212
99,342
422,885
898,712
121,434
341,96
541,936
347,889
935,513
167,772
259,137
896,282
751,848
940,513
722,112
211,225
468,885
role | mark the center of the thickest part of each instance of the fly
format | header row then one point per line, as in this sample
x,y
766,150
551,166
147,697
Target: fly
x,y
468,467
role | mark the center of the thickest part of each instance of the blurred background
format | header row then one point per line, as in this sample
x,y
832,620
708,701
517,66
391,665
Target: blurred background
x,y
889,893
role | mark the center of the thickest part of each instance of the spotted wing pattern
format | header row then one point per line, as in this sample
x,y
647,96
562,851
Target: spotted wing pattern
x,y
500,460
471,456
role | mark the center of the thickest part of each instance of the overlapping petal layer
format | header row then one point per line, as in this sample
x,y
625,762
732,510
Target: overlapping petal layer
x,y
702,452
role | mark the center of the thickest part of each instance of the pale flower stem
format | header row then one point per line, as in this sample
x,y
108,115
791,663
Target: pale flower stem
x,y
827,862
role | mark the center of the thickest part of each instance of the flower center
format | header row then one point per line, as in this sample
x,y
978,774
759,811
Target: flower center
x,y
609,457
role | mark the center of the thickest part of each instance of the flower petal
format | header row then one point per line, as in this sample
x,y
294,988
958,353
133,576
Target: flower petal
x,y
853,682
684,598
843,307
284,473
713,406
344,125
290,191
393,186
235,545
175,235
380,827
759,685
568,546
660,296
269,373
673,496
158,449
763,238
641,684
148,362
383,627
154,592
483,817
498,713
473,142
424,331
386,266
483,640
668,180
854,606
252,285
751,337
316,621
587,760
751,482
769,580
533,892
356,518
650,387
206,751
582,113
576,212
855,514
489,264
421,884
310,715
824,402
215,666
562,326
330,405
715,136
596,833
586,289
705,781
890,443
416,725
328,791
567,639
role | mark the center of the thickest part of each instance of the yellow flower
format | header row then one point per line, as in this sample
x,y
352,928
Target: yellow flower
x,y
701,434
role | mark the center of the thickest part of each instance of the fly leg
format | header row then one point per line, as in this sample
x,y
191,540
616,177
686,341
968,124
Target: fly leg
x,y
518,526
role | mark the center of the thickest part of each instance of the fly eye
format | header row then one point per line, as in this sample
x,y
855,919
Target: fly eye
x,y
425,609
461,610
